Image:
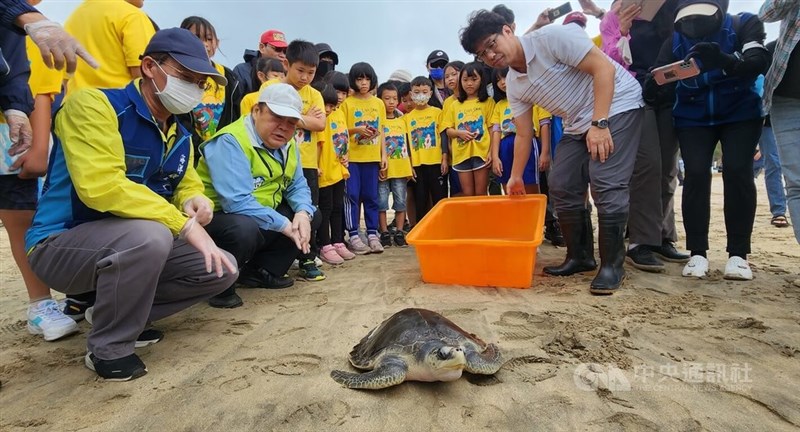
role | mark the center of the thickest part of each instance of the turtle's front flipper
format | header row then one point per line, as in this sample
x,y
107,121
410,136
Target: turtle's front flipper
x,y
390,372
486,363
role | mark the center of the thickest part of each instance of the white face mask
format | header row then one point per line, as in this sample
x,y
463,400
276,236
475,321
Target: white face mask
x,y
420,98
178,96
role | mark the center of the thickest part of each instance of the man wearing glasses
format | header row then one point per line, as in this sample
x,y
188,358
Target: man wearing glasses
x,y
271,45
560,69
123,211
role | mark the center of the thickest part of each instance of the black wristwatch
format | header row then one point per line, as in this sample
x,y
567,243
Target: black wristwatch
x,y
601,123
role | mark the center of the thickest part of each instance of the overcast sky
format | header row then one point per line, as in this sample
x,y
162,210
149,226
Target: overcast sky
x,y
387,34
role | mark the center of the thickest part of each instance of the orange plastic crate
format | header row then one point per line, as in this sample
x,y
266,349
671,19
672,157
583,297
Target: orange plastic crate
x,y
480,241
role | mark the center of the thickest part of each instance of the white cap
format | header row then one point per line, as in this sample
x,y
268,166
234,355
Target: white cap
x,y
401,75
283,100
704,9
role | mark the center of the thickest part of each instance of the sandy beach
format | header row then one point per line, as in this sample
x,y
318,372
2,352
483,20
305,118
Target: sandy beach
x,y
664,353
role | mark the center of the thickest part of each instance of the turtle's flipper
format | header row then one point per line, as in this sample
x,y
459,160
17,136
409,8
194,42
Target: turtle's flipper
x,y
486,363
389,372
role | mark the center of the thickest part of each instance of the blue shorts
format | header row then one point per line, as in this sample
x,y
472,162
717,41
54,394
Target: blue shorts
x,y
455,183
398,189
469,165
17,193
531,174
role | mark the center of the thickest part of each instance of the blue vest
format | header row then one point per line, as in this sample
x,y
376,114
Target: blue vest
x,y
145,163
713,98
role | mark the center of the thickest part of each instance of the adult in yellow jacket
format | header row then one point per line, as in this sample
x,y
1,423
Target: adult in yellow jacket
x,y
123,210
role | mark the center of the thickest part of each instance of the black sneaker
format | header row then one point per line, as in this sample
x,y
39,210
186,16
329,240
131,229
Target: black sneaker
x,y
552,233
406,227
400,239
386,239
667,252
642,258
121,369
75,309
149,337
261,278
227,299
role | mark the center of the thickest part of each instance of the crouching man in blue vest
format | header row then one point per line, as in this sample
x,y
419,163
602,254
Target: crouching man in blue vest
x,y
252,172
123,209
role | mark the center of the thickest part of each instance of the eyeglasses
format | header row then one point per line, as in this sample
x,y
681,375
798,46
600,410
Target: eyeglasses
x,y
487,48
274,48
202,82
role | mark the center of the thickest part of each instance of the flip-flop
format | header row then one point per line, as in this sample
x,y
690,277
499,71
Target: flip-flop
x,y
780,221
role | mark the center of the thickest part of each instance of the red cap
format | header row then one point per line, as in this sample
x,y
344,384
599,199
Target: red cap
x,y
576,17
275,38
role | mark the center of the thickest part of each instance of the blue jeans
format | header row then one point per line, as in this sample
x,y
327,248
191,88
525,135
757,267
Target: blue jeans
x,y
397,187
785,115
771,164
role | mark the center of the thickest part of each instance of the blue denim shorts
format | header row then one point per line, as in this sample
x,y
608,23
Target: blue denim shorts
x,y
398,188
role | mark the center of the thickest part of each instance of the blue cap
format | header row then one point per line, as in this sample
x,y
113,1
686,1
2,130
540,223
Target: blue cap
x,y
185,48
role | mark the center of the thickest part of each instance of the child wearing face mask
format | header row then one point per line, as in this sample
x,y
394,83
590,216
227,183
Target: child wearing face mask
x,y
429,162
366,117
467,126
220,104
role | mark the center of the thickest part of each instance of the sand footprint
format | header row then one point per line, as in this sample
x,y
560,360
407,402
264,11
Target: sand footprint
x,y
522,325
330,412
292,364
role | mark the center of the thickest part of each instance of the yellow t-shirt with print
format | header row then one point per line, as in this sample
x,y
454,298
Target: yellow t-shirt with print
x,y
363,112
43,80
423,132
502,116
116,33
395,135
305,139
448,102
472,116
208,113
335,141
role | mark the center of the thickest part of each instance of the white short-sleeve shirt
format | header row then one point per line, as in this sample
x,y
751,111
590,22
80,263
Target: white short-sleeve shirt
x,y
554,83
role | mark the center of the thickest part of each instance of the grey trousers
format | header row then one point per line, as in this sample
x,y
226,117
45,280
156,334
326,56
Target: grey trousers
x,y
646,214
574,168
140,273
668,141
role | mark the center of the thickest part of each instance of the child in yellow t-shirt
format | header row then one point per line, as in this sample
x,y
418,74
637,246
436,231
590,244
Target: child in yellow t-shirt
x,y
429,160
467,125
451,73
366,116
504,132
393,179
267,69
333,173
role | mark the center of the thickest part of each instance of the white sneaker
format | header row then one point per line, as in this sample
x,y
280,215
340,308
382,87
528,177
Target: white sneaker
x,y
88,314
318,262
737,268
696,267
46,318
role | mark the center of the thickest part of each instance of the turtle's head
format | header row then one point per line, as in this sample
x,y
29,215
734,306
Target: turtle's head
x,y
445,362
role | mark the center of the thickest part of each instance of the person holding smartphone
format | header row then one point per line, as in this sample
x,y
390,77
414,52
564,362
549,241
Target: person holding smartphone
x,y
719,105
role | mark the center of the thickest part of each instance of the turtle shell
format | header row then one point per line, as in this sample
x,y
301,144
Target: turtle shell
x,y
406,332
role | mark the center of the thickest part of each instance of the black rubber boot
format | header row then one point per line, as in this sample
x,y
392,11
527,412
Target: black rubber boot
x,y
611,242
577,230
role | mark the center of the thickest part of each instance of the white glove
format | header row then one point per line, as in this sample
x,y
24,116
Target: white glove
x,y
57,46
19,131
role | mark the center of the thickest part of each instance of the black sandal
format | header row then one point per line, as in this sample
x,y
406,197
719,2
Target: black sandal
x,y
780,221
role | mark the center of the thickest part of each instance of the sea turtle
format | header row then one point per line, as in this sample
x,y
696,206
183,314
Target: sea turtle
x,y
417,345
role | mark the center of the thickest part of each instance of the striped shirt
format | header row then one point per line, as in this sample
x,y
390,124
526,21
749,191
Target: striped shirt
x,y
554,82
787,11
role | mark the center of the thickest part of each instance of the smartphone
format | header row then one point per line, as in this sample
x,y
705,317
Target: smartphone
x,y
649,7
676,71
560,11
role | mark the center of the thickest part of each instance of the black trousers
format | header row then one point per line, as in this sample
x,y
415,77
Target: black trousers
x,y
252,246
430,185
331,208
738,142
